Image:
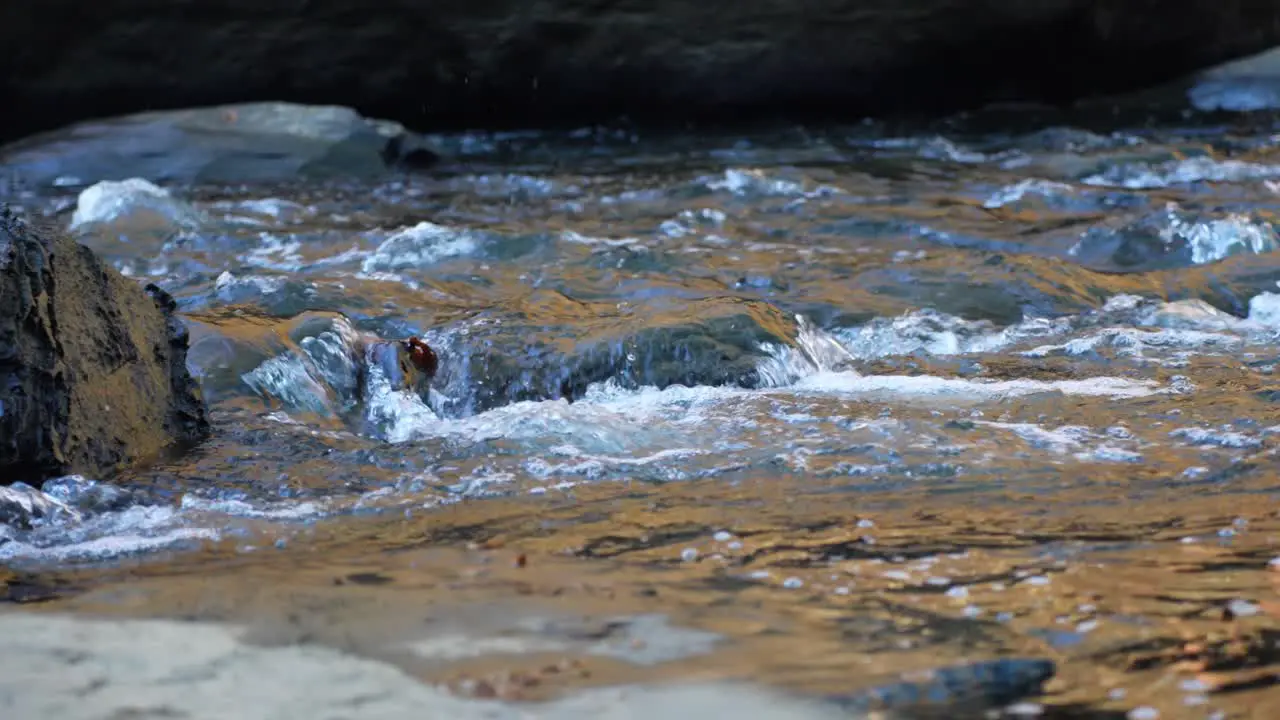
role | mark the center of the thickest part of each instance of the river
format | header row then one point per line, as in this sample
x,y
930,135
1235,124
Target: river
x,y
821,405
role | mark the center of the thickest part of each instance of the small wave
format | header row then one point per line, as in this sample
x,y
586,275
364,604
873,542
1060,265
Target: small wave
x,y
421,246
1147,176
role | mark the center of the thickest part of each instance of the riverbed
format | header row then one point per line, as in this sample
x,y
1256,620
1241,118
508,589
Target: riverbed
x,y
804,409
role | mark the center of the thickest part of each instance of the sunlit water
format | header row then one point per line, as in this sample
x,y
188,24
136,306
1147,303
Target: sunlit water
x,y
983,320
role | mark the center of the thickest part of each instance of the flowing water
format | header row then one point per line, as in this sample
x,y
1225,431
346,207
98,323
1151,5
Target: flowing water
x,y
839,404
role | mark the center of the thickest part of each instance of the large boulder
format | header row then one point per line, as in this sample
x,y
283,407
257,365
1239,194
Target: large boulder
x,y
93,374
253,142
522,63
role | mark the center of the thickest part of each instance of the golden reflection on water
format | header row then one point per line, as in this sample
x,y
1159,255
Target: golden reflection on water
x,y
1130,586
1145,586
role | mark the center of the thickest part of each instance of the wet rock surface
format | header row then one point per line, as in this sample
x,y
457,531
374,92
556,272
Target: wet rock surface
x,y
506,63
491,362
94,367
259,142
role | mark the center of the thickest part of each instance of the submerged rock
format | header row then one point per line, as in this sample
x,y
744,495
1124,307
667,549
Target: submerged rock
x,y
968,690
93,373
510,63
259,142
491,360
1173,239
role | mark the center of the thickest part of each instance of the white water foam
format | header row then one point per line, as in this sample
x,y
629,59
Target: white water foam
x,y
135,201
421,246
1147,176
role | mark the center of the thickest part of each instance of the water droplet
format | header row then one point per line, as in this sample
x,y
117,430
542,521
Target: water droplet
x,y
1143,713
723,536
792,583
689,555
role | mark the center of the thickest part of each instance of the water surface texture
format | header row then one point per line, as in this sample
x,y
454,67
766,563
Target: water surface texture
x,y
856,405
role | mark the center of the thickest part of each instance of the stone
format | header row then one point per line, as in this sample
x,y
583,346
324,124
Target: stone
x,y
257,142
93,373
490,360
512,63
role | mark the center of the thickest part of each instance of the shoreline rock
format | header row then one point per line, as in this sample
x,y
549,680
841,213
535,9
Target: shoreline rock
x,y
512,64
93,375
247,143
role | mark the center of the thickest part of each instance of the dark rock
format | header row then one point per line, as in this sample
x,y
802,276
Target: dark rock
x,y
518,63
260,142
520,352
969,690
93,374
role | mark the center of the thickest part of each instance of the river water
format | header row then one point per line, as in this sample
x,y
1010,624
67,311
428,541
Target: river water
x,y
855,403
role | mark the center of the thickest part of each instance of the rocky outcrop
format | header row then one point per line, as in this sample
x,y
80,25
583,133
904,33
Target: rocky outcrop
x,y
93,374
520,63
255,142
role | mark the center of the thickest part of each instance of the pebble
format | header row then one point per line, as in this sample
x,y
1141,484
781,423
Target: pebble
x,y
1024,709
723,536
958,592
689,554
792,583
1145,712
1038,580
